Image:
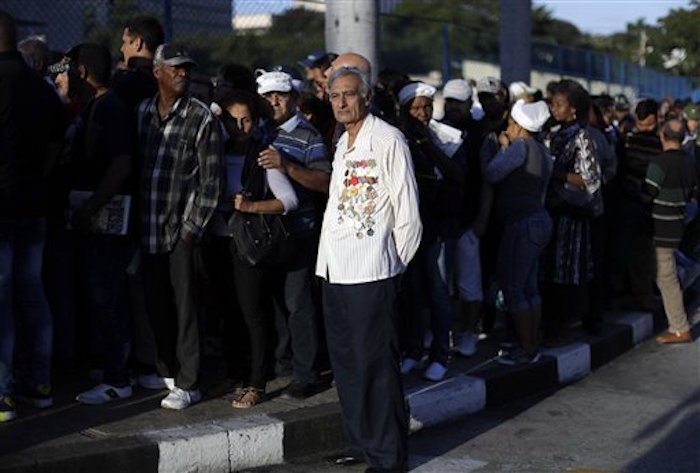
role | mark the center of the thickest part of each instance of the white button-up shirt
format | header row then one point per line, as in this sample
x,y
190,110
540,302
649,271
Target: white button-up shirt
x,y
371,226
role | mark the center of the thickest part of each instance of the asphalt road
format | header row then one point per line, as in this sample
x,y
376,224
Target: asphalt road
x,y
639,413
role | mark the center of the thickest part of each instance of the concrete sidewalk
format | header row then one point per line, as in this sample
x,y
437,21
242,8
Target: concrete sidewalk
x,y
136,435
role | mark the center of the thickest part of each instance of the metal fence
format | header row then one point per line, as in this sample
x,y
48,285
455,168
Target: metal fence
x,y
264,33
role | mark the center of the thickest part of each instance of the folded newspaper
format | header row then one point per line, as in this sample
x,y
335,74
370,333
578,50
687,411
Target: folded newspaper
x,y
111,219
447,138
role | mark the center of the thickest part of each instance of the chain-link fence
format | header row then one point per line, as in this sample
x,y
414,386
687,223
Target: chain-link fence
x,y
415,37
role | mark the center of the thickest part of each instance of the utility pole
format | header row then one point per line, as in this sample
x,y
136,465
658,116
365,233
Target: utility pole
x,y
515,40
353,26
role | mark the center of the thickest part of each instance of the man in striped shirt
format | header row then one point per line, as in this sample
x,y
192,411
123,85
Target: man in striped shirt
x,y
299,152
669,182
181,148
371,230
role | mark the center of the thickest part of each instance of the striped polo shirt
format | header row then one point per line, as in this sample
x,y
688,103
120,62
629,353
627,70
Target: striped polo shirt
x,y
299,141
670,180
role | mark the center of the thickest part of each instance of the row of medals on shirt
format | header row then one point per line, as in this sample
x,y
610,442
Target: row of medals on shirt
x,y
357,198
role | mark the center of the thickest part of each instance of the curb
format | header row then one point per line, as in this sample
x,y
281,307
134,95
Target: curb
x,y
235,444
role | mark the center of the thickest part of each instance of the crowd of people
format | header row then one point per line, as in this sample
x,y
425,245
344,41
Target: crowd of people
x,y
304,214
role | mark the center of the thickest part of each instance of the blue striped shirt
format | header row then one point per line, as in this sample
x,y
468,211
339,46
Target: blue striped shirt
x,y
297,140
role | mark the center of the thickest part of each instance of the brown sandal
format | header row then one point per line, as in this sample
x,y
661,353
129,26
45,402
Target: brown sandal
x,y
247,398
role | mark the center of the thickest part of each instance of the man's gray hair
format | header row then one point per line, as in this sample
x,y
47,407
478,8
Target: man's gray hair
x,y
365,87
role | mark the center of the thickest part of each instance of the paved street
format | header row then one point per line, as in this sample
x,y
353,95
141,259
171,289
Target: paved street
x,y
639,413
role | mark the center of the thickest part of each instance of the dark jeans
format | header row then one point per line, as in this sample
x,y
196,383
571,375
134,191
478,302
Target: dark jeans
x,y
171,302
362,332
102,263
295,312
430,277
253,289
23,302
632,256
522,243
224,313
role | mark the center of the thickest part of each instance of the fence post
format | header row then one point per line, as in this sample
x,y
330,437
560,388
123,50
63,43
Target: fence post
x,y
607,73
445,53
515,39
560,60
168,20
589,69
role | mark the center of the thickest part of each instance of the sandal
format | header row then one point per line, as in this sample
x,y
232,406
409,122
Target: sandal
x,y
247,398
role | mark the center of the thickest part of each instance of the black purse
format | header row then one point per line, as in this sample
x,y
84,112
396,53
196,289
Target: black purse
x,y
259,239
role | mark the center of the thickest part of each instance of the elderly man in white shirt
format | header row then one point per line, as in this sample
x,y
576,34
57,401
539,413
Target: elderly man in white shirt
x,y
371,230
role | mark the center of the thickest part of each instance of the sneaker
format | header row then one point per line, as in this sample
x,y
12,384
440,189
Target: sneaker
x,y
179,399
467,344
36,396
104,393
518,358
435,372
153,381
7,409
407,365
297,390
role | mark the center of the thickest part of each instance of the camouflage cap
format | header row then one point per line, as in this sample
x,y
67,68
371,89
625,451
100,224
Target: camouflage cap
x,y
692,111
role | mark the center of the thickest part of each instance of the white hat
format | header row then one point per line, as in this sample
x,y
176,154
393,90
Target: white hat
x,y
416,89
531,116
519,90
457,89
275,81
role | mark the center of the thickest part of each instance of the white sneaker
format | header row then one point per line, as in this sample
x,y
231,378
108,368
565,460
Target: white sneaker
x,y
435,372
153,381
407,364
467,344
104,393
180,399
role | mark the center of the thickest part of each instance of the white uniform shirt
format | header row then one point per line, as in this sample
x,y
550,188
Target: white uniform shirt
x,y
371,226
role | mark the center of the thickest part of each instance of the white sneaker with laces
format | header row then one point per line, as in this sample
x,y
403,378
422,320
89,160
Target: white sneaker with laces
x,y
153,381
179,399
467,344
407,365
435,372
104,393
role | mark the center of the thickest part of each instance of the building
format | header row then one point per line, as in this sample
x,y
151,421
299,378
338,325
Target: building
x,y
62,23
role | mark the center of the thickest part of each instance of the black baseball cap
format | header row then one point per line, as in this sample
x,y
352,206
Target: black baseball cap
x,y
170,54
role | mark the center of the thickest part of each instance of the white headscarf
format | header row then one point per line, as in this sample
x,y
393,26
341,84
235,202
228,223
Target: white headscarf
x,y
531,116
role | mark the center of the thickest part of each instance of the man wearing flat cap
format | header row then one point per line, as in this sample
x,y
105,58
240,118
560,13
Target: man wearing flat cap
x,y
181,149
299,152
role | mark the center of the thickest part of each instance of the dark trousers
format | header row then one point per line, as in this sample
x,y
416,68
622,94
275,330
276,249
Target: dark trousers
x,y
102,263
362,332
221,302
295,313
253,292
169,281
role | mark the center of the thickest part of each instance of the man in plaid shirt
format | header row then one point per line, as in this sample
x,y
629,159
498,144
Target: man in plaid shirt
x,y
181,147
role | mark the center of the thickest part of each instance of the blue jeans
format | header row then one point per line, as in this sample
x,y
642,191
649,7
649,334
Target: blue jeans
x,y
102,263
430,275
522,243
468,262
22,301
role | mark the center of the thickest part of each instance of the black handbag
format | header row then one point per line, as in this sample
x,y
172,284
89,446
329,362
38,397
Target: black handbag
x,y
259,239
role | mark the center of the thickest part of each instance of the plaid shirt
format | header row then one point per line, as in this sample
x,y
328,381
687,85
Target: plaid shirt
x,y
181,174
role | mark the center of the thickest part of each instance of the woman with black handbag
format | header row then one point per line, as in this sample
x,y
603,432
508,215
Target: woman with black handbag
x,y
254,205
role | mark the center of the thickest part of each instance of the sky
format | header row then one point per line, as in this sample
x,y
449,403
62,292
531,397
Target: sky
x,y
609,16
591,16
